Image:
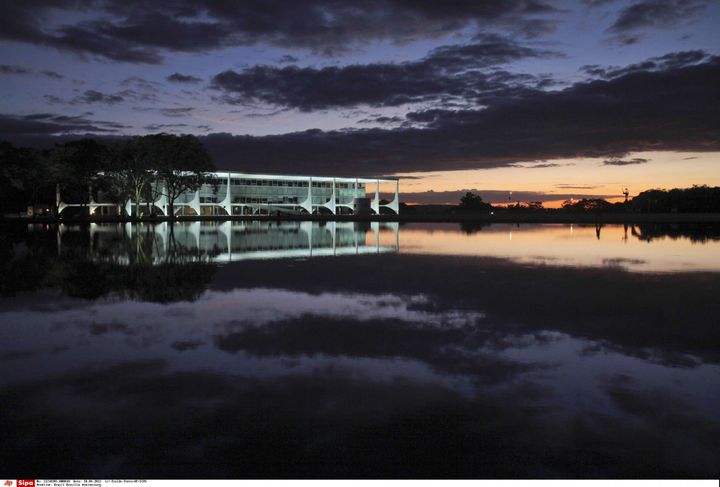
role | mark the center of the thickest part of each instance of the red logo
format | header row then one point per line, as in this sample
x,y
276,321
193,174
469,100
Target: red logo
x,y
25,483
8,483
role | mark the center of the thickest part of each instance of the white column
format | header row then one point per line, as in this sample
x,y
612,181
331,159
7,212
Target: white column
x,y
333,198
307,204
227,201
375,204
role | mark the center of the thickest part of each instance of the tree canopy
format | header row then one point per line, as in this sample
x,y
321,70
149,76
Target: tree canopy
x,y
473,202
135,169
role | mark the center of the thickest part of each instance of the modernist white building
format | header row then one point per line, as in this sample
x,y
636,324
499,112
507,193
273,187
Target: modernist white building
x,y
251,194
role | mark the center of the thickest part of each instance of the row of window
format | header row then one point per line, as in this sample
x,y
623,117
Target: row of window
x,y
277,199
290,183
264,198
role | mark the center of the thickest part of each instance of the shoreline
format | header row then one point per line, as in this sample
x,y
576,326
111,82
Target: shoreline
x,y
597,218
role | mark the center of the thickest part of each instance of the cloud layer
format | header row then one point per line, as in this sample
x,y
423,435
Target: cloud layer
x,y
449,73
661,110
142,32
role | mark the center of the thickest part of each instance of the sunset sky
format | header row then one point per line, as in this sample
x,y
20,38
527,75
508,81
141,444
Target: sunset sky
x,y
547,99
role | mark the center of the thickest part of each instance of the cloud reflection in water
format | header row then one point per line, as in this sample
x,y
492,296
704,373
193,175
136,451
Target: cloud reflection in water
x,y
371,365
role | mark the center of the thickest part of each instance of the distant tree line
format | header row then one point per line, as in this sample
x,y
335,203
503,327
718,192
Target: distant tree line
x,y
698,199
136,169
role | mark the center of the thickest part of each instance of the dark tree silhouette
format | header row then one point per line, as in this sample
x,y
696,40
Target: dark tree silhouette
x,y
181,164
473,202
26,177
698,199
587,204
80,166
130,170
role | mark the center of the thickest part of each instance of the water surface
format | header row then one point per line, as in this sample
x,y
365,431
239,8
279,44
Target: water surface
x,y
266,349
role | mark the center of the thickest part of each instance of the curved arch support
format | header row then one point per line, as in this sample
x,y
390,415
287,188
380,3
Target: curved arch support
x,y
226,203
307,203
394,205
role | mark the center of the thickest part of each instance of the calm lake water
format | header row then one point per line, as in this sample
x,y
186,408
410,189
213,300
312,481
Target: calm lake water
x,y
262,349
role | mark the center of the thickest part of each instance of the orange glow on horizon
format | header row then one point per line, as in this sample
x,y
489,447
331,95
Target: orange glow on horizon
x,y
571,178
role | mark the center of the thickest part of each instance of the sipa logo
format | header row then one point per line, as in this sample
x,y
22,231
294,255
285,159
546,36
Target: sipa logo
x,y
25,483
8,483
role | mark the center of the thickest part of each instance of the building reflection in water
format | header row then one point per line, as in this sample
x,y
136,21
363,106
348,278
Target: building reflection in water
x,y
241,240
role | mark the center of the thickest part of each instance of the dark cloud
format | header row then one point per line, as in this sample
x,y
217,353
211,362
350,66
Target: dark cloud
x,y
287,58
51,74
140,32
533,28
53,124
447,72
592,119
93,96
625,162
545,165
183,78
597,3
383,120
13,69
657,13
174,127
541,165
624,39
671,60
176,112
161,127
141,83
262,114
574,186
184,346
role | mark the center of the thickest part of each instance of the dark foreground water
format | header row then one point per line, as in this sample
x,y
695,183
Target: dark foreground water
x,y
342,350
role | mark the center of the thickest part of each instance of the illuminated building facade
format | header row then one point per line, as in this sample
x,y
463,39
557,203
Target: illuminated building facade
x,y
252,194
